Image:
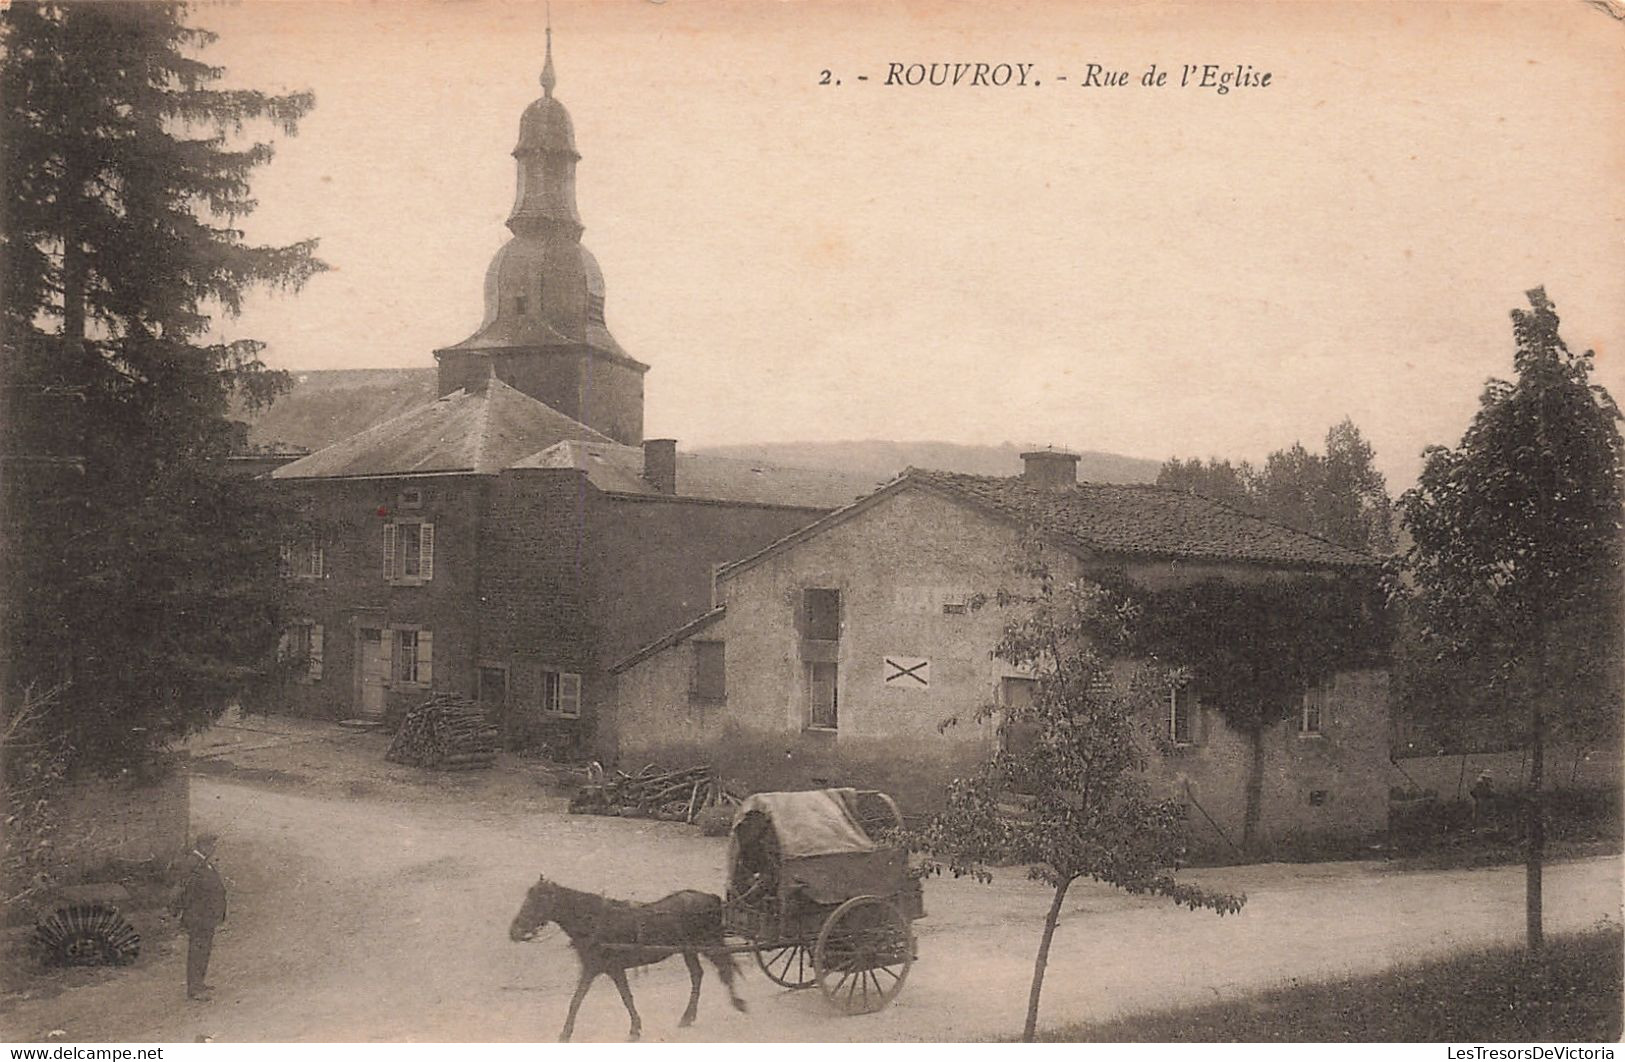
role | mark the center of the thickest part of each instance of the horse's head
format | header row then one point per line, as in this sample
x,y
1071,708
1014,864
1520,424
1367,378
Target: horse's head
x,y
534,913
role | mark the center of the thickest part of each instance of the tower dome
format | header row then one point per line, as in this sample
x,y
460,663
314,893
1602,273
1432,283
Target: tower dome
x,y
544,331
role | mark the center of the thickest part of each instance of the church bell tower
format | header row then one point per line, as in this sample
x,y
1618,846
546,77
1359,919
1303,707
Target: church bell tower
x,y
544,331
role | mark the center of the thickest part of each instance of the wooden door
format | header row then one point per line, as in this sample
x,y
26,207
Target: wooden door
x,y
372,665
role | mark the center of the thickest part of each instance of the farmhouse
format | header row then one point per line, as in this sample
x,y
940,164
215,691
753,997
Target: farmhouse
x,y
833,655
514,534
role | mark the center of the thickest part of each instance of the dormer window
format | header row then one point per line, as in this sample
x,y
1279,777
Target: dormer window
x,y
595,309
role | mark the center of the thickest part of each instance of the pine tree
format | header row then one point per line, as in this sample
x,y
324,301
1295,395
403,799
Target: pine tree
x,y
1517,559
137,570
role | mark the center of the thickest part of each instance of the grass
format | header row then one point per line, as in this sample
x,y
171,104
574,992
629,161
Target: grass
x,y
1571,992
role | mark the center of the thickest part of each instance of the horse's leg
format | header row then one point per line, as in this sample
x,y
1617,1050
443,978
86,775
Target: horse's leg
x,y
582,985
723,960
695,973
619,977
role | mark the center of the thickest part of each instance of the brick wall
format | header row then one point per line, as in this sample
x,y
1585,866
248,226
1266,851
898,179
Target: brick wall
x,y
102,820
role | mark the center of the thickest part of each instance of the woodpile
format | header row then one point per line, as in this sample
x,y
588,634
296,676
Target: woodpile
x,y
675,796
446,732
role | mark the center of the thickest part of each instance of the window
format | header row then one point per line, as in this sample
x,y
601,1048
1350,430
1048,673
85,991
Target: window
x,y
521,305
821,612
1181,715
303,642
822,711
409,552
413,657
1017,735
304,560
1313,712
561,694
710,679
411,499
491,685
595,309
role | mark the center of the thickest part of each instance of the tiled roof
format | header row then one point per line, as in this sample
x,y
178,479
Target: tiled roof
x,y
619,469
1145,521
479,431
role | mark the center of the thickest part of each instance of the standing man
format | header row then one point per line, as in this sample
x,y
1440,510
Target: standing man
x,y
201,906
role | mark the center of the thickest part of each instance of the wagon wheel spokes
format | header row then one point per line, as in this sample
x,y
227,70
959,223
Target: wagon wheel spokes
x,y
863,955
790,965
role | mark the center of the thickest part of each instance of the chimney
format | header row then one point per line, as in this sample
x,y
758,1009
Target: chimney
x,y
660,464
1050,469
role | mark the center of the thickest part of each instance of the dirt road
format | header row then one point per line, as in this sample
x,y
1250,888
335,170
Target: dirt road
x,y
369,919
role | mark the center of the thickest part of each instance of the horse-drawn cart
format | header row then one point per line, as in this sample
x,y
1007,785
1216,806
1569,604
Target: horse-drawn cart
x,y
817,900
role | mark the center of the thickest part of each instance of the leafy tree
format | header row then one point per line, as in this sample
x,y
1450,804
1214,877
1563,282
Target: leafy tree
x,y
1216,479
1338,495
1252,649
138,571
1516,557
1069,799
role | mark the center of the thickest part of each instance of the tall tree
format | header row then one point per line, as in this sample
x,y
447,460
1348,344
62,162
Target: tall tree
x,y
1338,495
1516,555
146,579
1084,811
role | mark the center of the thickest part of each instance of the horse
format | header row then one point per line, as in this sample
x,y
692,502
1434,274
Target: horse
x,y
613,936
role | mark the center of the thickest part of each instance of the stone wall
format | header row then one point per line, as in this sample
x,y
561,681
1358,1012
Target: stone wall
x,y
353,592
903,567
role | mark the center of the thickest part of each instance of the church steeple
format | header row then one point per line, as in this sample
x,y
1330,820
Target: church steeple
x,y
544,331
546,195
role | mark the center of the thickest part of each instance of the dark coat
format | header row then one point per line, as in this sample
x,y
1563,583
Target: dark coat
x,y
201,903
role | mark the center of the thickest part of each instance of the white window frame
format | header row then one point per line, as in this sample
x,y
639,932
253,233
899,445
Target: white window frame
x,y
561,694
312,638
395,552
1312,709
304,559
422,672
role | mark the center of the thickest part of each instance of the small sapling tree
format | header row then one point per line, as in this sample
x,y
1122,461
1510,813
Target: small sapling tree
x,y
1064,793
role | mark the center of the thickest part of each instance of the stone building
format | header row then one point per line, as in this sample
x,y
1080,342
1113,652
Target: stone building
x,y
513,535
832,656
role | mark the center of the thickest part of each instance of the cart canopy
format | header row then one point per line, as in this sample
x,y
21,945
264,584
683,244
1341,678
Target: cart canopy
x,y
816,822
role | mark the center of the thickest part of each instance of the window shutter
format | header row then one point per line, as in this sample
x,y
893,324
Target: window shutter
x,y
284,644
426,656
315,650
389,551
570,695
426,539
285,564
318,561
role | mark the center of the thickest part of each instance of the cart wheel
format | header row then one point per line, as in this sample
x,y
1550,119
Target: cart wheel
x,y
790,965
863,955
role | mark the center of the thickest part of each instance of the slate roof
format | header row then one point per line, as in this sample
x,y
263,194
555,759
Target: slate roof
x,y
1133,519
481,432
619,469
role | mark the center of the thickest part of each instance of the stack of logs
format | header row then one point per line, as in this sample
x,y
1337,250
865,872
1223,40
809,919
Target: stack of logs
x,y
446,732
676,796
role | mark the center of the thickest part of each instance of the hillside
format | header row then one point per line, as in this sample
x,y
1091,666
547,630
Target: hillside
x,y
331,404
883,459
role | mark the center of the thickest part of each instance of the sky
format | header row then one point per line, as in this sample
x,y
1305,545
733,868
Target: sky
x,y
1153,271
